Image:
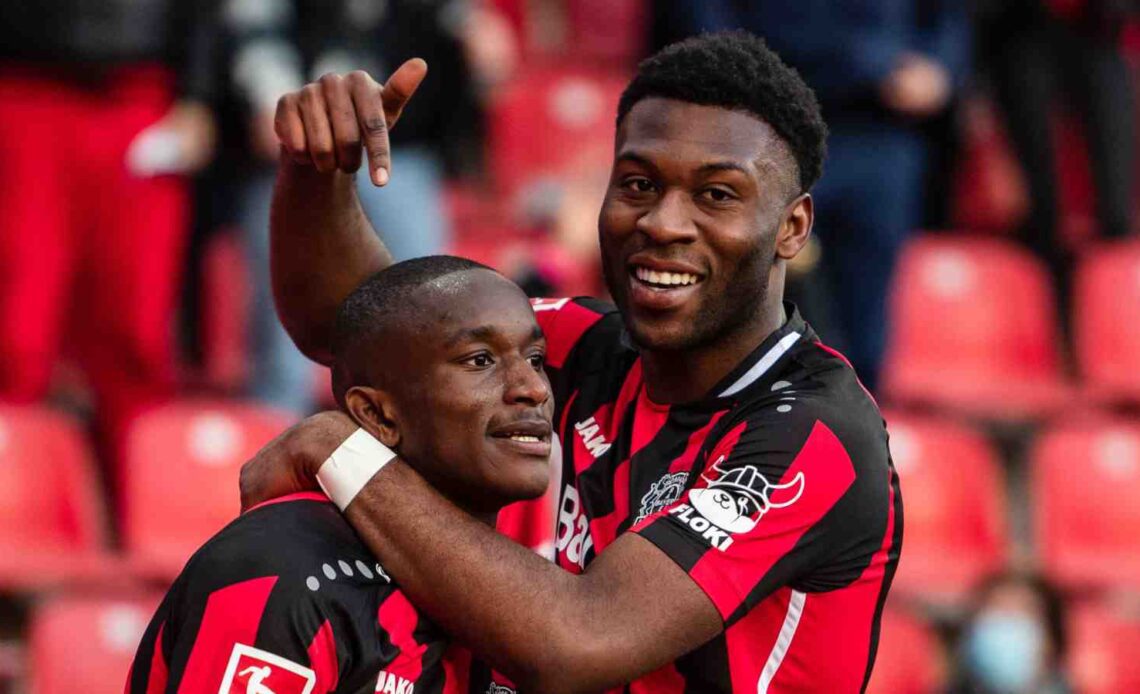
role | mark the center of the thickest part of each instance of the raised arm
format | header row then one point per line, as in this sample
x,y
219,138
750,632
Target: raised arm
x,y
321,243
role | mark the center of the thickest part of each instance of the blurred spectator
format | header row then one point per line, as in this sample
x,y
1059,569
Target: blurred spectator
x,y
281,44
880,69
103,112
1040,54
1014,641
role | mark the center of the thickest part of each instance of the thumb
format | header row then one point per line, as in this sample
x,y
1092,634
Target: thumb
x,y
400,87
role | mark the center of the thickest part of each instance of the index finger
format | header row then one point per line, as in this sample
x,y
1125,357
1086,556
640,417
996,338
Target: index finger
x,y
369,107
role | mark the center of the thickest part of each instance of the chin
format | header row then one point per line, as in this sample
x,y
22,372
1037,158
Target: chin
x,y
665,336
526,479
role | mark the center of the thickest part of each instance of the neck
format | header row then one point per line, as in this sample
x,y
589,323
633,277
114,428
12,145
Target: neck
x,y
677,376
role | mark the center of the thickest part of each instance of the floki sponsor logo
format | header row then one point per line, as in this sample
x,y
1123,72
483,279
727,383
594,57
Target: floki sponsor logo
x,y
734,502
592,437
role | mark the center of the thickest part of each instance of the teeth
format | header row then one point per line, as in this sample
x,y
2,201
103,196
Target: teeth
x,y
665,279
524,438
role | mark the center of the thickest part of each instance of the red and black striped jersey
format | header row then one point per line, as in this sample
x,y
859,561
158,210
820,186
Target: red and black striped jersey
x,y
775,493
287,599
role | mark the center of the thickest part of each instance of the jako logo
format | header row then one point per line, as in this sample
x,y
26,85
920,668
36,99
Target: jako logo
x,y
735,502
591,435
393,684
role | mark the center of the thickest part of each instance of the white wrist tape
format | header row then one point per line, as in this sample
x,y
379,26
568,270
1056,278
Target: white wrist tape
x,y
351,465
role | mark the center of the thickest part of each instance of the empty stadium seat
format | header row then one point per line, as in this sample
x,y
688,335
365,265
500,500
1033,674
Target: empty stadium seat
x,y
1104,645
1085,486
973,329
956,530
86,644
226,297
52,520
181,476
607,30
1106,321
909,659
550,121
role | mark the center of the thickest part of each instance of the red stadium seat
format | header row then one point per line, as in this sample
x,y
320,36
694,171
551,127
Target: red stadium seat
x,y
973,329
181,476
909,659
52,520
613,31
1085,486
1105,645
1106,321
956,529
86,644
551,121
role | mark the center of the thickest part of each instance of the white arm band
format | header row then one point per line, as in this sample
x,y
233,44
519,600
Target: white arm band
x,y
351,465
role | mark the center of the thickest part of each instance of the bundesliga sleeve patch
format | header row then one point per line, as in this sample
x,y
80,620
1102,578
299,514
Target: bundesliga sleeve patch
x,y
254,671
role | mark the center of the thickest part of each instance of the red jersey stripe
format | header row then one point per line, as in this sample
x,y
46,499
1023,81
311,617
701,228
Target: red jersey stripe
x,y
399,619
828,473
159,674
323,659
564,322
232,616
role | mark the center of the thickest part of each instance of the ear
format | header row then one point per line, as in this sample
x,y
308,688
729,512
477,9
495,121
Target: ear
x,y
795,227
374,411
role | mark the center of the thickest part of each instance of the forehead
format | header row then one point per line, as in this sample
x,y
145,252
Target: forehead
x,y
473,298
683,131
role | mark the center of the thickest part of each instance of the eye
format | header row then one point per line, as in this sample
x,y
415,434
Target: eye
x,y
717,195
537,361
480,361
637,184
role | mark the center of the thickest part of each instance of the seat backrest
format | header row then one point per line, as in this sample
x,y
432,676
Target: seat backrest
x,y
972,307
956,527
1106,319
49,497
1085,486
1104,649
86,644
552,121
181,474
908,660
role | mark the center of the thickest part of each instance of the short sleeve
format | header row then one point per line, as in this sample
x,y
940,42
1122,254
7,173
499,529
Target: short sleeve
x,y
763,511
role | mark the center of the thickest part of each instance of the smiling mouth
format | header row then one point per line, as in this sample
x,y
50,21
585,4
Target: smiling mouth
x,y
663,281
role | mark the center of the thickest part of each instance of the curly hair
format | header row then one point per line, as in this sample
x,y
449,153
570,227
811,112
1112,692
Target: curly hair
x,y
737,70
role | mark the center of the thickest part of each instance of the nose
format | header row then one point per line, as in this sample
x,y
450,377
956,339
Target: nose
x,y
669,220
524,385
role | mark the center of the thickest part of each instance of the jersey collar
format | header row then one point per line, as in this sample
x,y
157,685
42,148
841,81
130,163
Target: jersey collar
x,y
766,361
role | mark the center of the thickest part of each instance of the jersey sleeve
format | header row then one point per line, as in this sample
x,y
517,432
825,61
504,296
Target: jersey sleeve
x,y
778,504
252,633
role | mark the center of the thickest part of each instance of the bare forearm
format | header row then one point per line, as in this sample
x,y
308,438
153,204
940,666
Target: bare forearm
x,y
546,628
322,246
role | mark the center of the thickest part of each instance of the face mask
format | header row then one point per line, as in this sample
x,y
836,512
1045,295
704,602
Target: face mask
x,y
1004,651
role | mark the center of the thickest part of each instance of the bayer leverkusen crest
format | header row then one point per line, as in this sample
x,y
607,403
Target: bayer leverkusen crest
x,y
736,499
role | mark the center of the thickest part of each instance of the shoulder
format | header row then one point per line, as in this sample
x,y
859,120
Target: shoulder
x,y
305,544
568,322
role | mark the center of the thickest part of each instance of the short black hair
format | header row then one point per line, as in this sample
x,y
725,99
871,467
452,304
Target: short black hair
x,y
737,70
377,306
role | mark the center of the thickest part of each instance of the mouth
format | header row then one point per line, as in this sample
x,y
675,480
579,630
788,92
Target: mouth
x,y
659,288
530,437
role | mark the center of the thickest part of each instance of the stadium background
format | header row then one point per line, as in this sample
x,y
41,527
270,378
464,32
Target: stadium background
x,y
1009,377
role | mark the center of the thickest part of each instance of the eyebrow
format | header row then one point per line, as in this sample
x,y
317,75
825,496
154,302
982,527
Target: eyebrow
x,y
486,333
710,167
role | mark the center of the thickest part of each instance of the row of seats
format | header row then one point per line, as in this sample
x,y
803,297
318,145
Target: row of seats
x,y
1103,645
178,487
974,328
106,631
957,528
